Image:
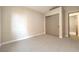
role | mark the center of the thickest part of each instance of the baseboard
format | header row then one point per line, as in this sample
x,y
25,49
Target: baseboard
x,y
60,37
72,33
7,42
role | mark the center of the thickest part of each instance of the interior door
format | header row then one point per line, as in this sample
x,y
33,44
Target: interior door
x,y
52,25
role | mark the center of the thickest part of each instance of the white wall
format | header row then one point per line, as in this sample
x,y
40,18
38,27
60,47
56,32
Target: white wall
x,y
21,22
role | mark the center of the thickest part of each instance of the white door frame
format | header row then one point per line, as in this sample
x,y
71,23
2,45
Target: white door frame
x,y
59,11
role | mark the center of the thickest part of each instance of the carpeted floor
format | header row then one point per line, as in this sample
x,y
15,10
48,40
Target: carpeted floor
x,y
42,43
74,37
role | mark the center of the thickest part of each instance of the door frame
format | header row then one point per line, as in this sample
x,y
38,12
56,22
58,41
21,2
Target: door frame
x,y
69,22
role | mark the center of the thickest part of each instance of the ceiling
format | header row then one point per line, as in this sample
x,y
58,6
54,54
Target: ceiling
x,y
41,9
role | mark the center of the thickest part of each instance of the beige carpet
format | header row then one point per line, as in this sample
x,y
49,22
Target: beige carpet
x,y
42,43
74,37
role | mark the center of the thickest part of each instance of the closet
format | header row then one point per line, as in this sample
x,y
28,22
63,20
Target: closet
x,y
52,25
54,22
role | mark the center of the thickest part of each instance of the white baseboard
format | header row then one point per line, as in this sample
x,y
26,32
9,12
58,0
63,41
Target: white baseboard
x,y
7,42
60,37
44,32
72,33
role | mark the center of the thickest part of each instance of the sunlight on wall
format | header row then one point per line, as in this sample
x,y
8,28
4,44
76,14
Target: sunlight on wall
x,y
19,25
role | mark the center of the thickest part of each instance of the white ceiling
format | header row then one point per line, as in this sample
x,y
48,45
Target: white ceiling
x,y
42,9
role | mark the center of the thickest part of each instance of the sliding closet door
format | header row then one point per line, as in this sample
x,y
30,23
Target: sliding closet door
x,y
52,25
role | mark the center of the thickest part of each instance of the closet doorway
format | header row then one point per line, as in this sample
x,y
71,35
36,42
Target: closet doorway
x,y
54,22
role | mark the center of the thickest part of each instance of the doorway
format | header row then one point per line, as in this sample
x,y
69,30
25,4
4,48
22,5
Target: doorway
x,y
74,25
